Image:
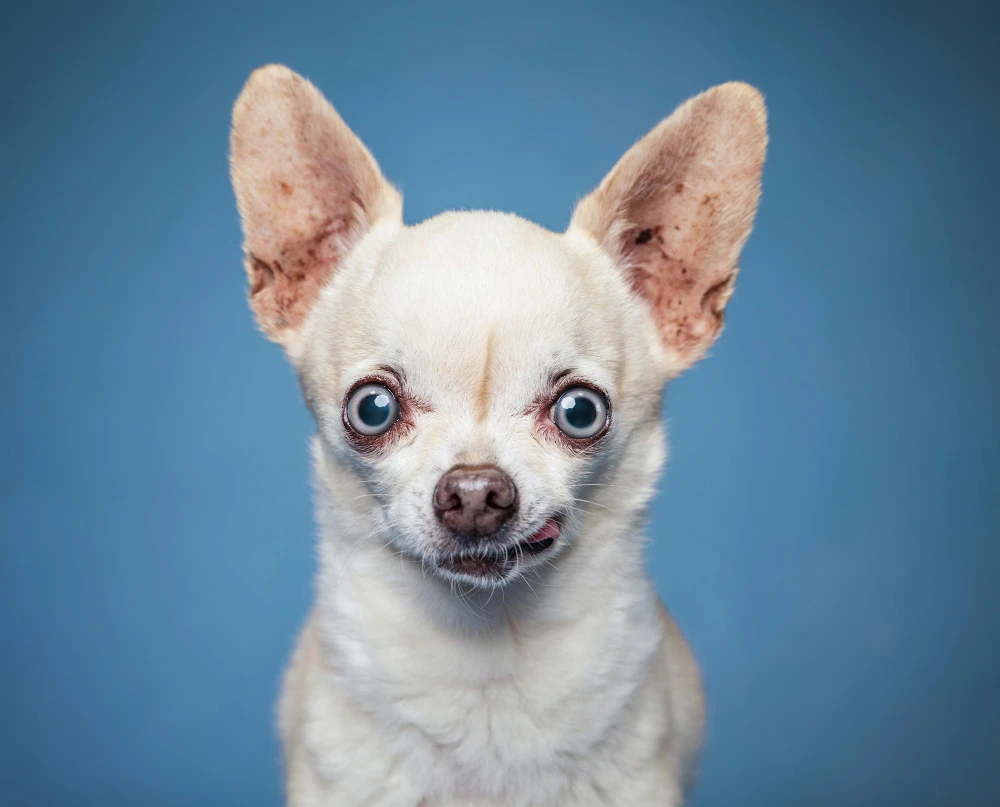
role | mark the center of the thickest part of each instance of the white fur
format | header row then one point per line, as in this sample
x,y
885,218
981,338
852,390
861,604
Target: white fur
x,y
568,684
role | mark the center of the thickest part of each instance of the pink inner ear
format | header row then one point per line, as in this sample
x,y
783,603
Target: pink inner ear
x,y
668,268
283,290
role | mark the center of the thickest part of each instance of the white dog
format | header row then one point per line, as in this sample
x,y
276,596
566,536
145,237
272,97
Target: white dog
x,y
487,399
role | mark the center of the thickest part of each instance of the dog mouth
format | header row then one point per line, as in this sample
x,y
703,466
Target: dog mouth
x,y
492,564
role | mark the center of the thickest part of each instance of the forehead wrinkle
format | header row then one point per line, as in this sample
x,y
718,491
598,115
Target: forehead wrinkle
x,y
483,394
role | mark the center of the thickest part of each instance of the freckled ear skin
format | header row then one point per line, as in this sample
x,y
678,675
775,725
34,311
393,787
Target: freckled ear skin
x,y
677,209
307,190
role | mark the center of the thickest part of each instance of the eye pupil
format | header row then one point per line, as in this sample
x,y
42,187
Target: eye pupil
x,y
580,412
374,409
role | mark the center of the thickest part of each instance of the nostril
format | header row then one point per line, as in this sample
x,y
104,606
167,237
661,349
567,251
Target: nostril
x,y
445,497
447,502
501,496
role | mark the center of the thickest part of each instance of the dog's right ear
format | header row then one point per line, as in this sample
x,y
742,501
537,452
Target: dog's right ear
x,y
307,190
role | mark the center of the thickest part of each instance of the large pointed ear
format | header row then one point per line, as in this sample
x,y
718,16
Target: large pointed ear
x,y
307,190
675,212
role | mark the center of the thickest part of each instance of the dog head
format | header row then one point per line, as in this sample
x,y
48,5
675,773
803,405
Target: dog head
x,y
485,389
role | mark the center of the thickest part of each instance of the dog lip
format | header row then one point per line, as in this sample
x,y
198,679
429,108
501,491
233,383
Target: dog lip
x,y
491,566
537,547
543,539
497,562
549,532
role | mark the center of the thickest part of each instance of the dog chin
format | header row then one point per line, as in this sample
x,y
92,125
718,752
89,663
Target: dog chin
x,y
493,566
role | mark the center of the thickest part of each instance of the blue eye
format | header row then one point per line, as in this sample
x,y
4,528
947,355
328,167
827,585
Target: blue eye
x,y
580,413
372,409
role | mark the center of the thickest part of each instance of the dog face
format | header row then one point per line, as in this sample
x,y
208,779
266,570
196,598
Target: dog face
x,y
481,384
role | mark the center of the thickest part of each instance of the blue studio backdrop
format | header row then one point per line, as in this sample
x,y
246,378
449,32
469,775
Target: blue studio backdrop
x,y
827,528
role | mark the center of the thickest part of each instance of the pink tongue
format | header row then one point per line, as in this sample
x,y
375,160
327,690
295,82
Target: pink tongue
x,y
549,530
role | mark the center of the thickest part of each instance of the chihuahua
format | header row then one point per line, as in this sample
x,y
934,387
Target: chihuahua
x,y
487,397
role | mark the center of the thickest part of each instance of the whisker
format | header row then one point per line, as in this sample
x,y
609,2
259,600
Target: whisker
x,y
598,504
367,495
357,544
604,485
551,563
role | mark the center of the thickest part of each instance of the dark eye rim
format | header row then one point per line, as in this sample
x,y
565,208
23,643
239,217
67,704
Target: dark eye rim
x,y
579,442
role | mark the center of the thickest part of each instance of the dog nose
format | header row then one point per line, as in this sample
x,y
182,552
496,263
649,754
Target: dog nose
x,y
475,500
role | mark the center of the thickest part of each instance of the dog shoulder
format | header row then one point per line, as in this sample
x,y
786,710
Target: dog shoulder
x,y
686,697
306,656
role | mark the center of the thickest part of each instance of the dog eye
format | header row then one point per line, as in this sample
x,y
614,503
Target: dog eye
x,y
580,412
372,409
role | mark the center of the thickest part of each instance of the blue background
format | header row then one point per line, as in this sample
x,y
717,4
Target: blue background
x,y
827,532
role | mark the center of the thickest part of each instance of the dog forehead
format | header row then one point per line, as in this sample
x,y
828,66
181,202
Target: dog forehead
x,y
468,296
449,285
478,265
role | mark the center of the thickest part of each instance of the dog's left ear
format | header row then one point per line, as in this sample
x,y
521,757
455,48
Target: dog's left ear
x,y
675,212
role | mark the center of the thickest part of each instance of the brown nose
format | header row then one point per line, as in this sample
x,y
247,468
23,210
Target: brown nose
x,y
475,500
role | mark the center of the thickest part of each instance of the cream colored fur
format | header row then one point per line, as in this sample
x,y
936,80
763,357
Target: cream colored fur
x,y
569,684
